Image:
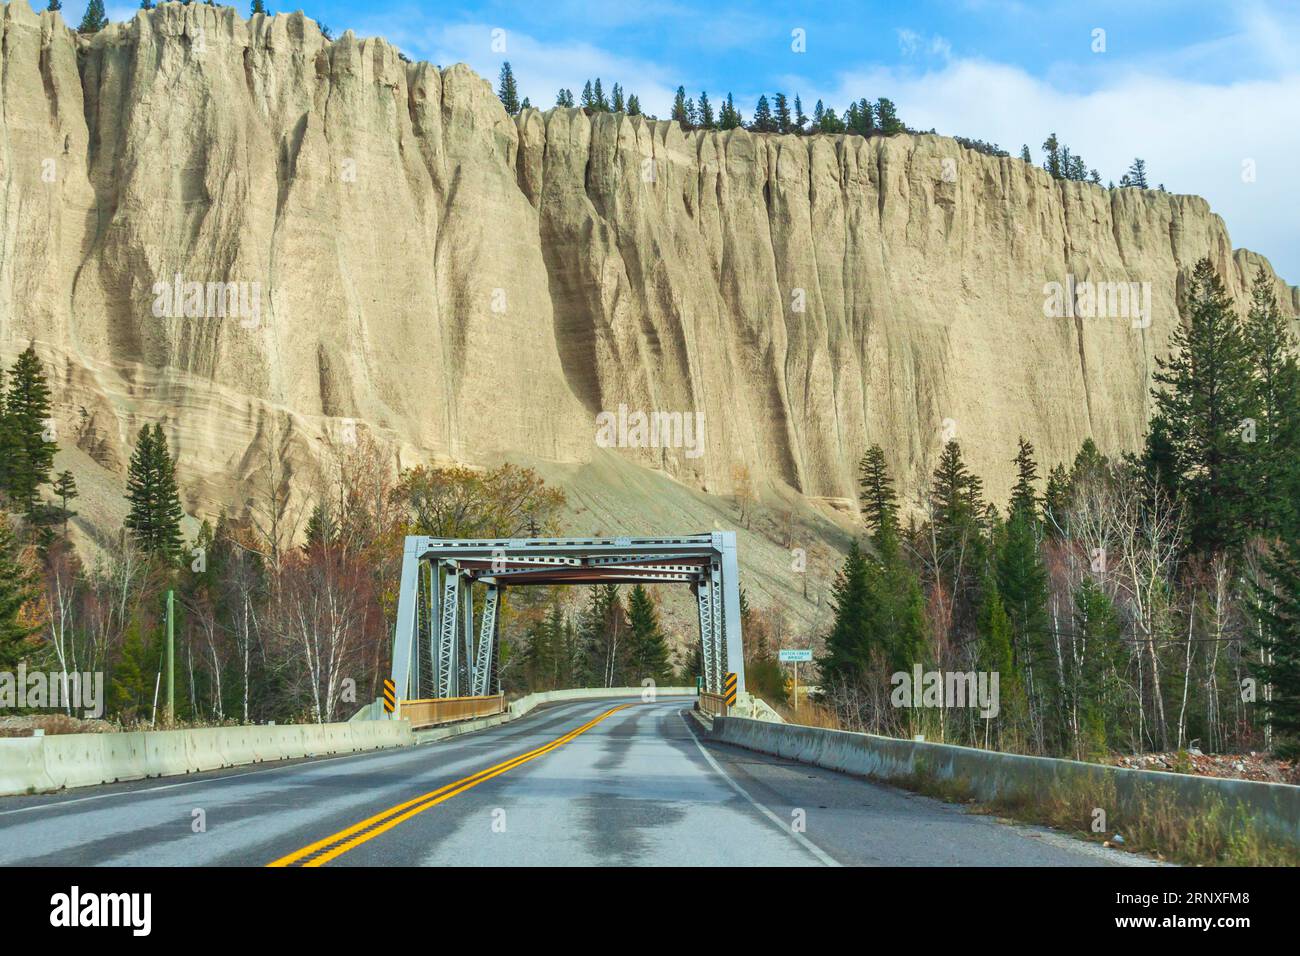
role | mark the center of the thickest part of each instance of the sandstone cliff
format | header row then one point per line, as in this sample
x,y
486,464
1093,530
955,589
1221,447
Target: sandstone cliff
x,y
471,286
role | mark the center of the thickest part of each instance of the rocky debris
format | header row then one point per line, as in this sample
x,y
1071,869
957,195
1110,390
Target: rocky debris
x,y
23,725
1248,766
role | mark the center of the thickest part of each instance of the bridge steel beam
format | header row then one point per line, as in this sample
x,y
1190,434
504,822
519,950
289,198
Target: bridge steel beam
x,y
734,656
705,562
445,667
708,639
486,641
465,670
405,634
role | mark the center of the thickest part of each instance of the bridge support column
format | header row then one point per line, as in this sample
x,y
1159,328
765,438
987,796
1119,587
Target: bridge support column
x,y
405,634
708,635
448,621
465,670
486,641
734,656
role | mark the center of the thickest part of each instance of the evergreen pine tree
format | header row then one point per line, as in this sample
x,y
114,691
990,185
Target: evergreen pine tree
x,y
762,122
616,101
130,689
564,98
733,120
887,117
65,488
1022,582
322,529
507,91
784,123
1204,404
27,418
155,515
680,113
1024,495
1056,501
94,19
588,96
633,106
706,117
17,590
846,659
879,503
800,119
1274,459
1137,174
953,498
1025,154
649,650
1278,611
995,654
1094,674
599,102
1052,147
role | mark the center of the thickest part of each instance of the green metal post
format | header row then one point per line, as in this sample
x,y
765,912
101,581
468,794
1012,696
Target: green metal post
x,y
171,660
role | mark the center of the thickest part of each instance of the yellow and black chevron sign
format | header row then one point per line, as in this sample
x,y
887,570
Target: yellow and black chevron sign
x,y
390,696
729,688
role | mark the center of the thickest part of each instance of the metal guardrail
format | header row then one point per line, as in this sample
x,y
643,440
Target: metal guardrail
x,y
713,704
444,710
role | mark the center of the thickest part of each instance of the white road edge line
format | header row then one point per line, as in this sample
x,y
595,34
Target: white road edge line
x,y
822,856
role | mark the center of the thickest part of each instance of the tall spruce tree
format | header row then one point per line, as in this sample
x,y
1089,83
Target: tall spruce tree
x,y
1277,610
65,489
1205,401
879,503
1024,495
1275,462
680,114
154,519
847,656
94,19
1023,587
705,112
507,90
27,432
17,590
781,113
649,651
887,117
1137,174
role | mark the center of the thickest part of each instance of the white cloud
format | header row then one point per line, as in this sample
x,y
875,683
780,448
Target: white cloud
x,y
1194,136
540,69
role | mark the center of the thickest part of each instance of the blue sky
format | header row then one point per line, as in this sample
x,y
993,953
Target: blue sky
x,y
1197,89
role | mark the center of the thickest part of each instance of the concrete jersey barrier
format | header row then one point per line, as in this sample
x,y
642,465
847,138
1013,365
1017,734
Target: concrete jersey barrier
x,y
39,764
1272,809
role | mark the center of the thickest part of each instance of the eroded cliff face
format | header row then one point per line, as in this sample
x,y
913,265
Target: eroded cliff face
x,y
467,285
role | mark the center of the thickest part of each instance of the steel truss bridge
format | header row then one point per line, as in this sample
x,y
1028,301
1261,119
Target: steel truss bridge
x,y
437,653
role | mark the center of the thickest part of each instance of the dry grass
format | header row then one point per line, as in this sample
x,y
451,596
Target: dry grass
x,y
22,726
1151,822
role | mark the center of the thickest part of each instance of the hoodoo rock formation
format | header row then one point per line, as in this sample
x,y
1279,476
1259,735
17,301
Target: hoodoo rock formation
x,y
392,251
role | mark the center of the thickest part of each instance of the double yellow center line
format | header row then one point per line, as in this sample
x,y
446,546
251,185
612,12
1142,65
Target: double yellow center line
x,y
322,851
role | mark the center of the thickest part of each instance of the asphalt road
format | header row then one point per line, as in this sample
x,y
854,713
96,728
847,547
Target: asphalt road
x,y
592,783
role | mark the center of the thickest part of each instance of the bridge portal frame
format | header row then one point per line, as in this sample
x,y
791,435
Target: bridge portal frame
x,y
707,563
